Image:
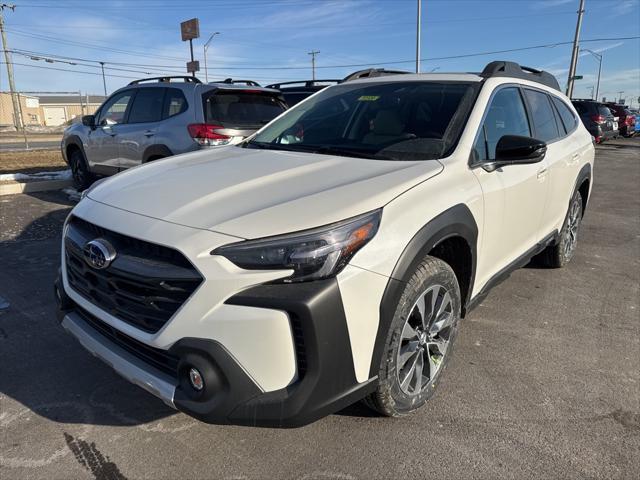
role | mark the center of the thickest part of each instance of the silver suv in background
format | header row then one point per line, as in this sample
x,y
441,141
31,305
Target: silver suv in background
x,y
155,118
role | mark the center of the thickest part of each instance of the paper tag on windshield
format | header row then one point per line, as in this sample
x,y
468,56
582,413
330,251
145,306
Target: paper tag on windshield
x,y
368,98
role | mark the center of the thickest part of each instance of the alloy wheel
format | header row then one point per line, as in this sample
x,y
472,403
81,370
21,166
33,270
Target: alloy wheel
x,y
573,224
425,340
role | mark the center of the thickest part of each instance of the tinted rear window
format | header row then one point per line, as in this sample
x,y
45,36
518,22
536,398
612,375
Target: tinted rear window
x,y
604,110
241,108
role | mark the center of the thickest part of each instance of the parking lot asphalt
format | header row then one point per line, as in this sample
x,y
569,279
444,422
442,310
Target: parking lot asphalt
x,y
545,382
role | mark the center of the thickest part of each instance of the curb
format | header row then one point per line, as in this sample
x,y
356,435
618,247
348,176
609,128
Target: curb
x,y
13,188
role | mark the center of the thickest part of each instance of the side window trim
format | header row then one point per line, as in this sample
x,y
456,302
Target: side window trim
x,y
472,163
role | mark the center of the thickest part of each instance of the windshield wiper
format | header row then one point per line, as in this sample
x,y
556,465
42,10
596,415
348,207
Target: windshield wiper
x,y
331,150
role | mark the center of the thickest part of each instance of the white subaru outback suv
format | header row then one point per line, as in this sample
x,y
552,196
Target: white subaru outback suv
x,y
330,257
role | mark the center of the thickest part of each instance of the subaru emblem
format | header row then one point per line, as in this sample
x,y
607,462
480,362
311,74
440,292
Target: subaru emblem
x,y
99,253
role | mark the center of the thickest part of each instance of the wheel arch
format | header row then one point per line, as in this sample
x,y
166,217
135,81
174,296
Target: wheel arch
x,y
441,237
583,185
71,144
154,152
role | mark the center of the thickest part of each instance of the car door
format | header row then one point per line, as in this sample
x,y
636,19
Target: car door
x,y
564,158
102,144
142,123
514,195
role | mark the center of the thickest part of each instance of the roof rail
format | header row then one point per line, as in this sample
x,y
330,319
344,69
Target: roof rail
x,y
233,81
511,69
167,79
306,83
372,72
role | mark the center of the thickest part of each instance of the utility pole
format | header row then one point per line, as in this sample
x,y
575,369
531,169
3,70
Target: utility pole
x,y
104,81
574,53
592,90
15,97
418,32
206,47
313,63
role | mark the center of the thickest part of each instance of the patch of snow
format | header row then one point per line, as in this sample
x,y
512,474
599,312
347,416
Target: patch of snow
x,y
21,177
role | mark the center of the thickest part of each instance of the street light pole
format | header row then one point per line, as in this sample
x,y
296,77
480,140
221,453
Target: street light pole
x,y
104,81
574,53
418,33
206,47
598,57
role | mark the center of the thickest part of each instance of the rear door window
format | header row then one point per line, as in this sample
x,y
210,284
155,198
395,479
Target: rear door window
x,y
241,108
568,118
544,121
147,105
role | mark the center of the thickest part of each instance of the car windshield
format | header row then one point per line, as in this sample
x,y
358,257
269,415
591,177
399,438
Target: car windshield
x,y
383,120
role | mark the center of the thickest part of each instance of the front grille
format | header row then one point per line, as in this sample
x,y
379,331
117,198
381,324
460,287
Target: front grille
x,y
144,285
160,359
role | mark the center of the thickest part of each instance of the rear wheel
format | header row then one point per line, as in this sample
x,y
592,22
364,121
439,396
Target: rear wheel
x,y
420,341
558,255
82,177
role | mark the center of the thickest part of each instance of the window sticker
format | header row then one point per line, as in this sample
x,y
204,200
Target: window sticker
x,y
368,98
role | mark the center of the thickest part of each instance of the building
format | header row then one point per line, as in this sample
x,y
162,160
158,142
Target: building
x,y
48,110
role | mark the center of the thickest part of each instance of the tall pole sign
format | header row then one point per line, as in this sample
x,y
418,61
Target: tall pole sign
x,y
189,30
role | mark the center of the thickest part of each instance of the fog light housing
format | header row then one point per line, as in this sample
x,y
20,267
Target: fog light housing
x,y
195,379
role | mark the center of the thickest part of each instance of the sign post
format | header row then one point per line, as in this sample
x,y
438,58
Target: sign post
x,y
189,30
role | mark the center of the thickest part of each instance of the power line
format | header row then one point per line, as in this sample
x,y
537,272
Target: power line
x,y
388,62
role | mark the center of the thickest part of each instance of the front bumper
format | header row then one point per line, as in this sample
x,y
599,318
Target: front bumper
x,y
326,378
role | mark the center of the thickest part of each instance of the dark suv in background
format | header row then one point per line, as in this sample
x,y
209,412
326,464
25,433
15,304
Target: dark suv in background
x,y
597,119
155,118
626,119
296,91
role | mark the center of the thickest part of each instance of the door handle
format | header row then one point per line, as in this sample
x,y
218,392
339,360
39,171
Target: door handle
x,y
149,133
542,172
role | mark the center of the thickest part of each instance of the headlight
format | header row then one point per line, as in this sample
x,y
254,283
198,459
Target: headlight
x,y
311,254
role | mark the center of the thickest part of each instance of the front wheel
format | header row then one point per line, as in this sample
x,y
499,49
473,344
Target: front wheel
x,y
560,254
420,341
82,177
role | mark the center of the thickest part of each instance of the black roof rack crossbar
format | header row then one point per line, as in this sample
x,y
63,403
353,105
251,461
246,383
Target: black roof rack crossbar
x,y
233,81
501,68
372,72
167,79
306,83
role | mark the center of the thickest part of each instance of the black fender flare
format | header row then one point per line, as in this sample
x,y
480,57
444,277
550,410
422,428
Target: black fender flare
x,y
156,151
457,221
584,174
72,140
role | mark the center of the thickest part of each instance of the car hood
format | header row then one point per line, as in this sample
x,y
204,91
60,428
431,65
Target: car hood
x,y
251,193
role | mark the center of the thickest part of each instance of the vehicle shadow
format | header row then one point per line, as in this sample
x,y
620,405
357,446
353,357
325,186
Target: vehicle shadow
x,y
42,369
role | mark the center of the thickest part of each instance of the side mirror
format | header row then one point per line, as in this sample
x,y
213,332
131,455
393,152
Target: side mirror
x,y
89,121
517,150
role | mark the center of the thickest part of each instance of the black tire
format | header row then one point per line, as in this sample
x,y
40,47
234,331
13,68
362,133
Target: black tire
x,y
561,253
392,398
82,177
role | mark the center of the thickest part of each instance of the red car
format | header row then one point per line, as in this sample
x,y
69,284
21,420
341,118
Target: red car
x,y
627,120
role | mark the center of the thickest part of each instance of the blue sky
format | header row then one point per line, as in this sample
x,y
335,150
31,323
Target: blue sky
x,y
268,40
